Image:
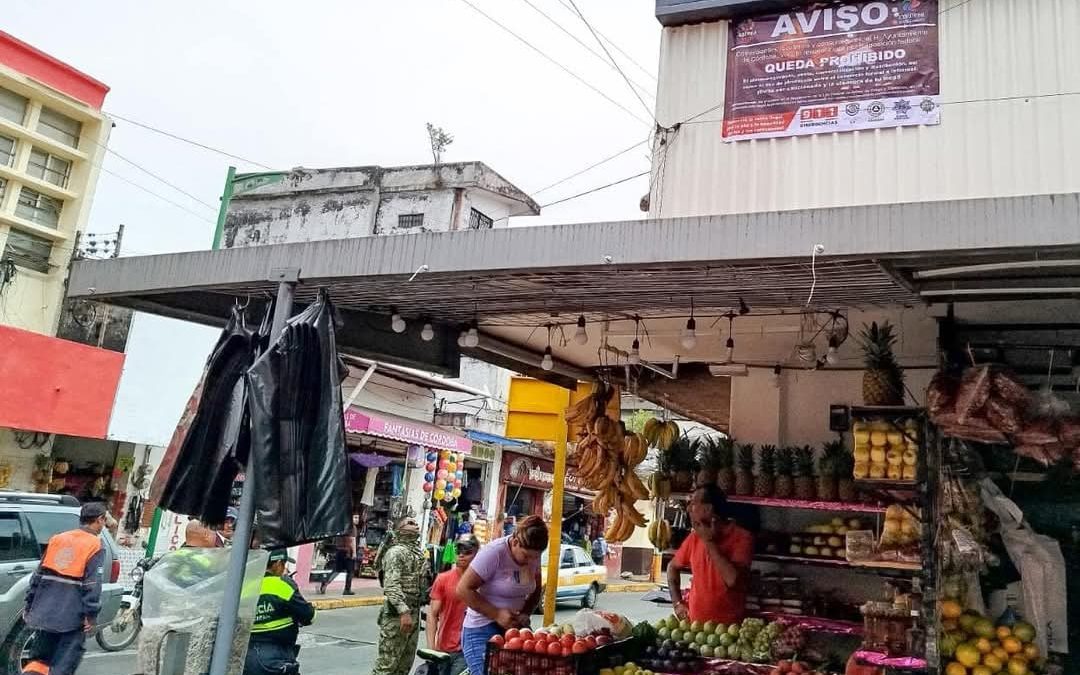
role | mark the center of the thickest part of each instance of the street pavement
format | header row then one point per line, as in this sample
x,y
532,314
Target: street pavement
x,y
343,640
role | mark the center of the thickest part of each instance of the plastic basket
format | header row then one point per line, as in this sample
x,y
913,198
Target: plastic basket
x,y
505,662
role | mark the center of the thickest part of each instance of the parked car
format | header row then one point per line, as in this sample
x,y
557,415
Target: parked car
x,y
580,579
27,521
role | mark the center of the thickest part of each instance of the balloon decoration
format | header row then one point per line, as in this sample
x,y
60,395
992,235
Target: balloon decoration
x,y
430,467
444,475
429,477
440,495
428,487
456,493
431,456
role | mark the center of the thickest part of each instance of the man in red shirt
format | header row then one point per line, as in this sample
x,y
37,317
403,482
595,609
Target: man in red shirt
x,y
446,614
718,554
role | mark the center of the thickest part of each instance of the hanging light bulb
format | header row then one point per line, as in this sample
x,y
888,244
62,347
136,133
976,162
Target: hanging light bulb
x,y
580,336
689,336
547,363
776,373
831,356
472,338
427,333
397,324
635,353
730,354
461,339
744,309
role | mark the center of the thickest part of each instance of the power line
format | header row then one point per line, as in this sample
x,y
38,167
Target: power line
x,y
620,49
161,197
614,62
949,9
189,141
590,167
596,189
153,175
584,46
553,61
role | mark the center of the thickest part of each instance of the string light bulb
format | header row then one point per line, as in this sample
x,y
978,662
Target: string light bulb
x,y
580,335
831,356
635,352
397,324
461,339
472,337
689,335
427,333
730,344
547,363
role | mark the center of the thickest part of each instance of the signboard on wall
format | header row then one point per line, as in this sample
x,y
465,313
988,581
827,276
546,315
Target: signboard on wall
x,y
822,69
537,473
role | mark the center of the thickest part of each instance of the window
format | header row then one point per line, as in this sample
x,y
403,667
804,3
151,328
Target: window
x,y
13,106
59,127
410,220
7,151
28,250
47,167
3,188
48,523
582,557
478,221
16,542
38,208
567,559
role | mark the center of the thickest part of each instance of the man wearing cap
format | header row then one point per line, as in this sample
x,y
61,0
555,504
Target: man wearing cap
x,y
446,614
65,595
278,617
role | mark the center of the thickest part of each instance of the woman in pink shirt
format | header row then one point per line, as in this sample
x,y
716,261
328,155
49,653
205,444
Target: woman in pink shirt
x,y
501,588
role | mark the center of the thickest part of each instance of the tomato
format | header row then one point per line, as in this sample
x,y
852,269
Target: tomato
x,y
528,645
514,644
554,649
497,640
526,634
513,633
580,646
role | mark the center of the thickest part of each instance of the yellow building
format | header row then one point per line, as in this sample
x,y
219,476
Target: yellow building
x,y
52,142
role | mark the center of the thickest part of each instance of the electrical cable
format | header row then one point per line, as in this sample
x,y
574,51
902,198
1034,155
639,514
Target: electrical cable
x,y
590,167
595,189
544,54
188,141
618,48
586,47
163,198
153,175
614,62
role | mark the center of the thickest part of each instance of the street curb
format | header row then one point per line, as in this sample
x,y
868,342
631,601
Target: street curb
x,y
324,604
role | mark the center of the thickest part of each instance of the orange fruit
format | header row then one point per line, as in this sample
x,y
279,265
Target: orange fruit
x,y
1031,652
981,670
951,609
1012,645
984,628
1024,631
1003,632
1001,654
1018,666
955,668
984,646
967,621
968,655
993,663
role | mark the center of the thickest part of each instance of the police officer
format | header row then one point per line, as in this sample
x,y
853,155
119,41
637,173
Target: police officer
x,y
406,582
280,613
65,595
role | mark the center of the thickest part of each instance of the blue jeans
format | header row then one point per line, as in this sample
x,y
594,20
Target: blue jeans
x,y
474,643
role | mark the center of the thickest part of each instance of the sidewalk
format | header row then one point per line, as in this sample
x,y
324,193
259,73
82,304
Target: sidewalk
x,y
368,593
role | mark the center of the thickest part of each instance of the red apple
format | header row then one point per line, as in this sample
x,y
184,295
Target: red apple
x,y
590,641
526,634
568,641
565,651
580,646
554,649
515,644
513,633
528,645
497,640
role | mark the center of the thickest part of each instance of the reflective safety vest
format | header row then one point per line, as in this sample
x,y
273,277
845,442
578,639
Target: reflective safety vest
x,y
280,612
68,554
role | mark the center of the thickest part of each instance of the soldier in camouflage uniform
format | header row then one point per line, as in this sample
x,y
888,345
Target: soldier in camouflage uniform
x,y
404,576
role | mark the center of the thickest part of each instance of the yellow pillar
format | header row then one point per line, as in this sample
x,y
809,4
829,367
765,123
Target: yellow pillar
x,y
555,528
657,566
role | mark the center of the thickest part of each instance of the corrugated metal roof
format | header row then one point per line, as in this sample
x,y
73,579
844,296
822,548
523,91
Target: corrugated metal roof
x,y
1012,93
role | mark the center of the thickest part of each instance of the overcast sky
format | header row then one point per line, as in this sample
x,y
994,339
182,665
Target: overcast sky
x,y
345,83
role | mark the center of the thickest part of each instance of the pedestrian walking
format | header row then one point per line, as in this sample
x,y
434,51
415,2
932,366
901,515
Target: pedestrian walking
x,y
446,614
64,598
404,574
281,611
344,558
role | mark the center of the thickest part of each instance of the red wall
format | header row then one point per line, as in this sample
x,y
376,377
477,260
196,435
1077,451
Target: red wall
x,y
56,386
38,65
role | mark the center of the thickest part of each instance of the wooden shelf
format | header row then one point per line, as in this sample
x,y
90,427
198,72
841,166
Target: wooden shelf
x,y
816,624
895,566
885,484
852,507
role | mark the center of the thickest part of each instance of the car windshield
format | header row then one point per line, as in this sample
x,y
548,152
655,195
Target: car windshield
x,y
48,523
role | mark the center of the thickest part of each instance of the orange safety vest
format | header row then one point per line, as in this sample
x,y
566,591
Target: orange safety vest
x,y
68,553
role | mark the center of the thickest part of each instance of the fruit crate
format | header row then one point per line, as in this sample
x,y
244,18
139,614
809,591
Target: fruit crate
x,y
502,661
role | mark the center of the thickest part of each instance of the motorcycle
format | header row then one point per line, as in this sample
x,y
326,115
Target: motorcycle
x,y
124,629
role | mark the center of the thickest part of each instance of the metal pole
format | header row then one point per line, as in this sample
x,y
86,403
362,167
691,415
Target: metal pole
x,y
230,606
555,528
223,209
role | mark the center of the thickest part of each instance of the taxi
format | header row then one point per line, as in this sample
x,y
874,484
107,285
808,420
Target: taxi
x,y
580,579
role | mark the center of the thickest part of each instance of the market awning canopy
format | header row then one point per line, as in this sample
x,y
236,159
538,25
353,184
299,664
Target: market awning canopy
x,y
525,278
385,425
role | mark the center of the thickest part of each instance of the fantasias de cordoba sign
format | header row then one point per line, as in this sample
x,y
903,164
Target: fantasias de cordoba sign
x,y
833,67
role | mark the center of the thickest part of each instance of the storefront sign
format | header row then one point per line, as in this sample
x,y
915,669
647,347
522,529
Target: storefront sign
x,y
822,69
418,433
536,473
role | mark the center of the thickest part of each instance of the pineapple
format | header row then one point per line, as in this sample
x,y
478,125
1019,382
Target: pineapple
x,y
764,479
725,471
804,473
785,466
707,450
744,472
845,477
883,381
827,470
